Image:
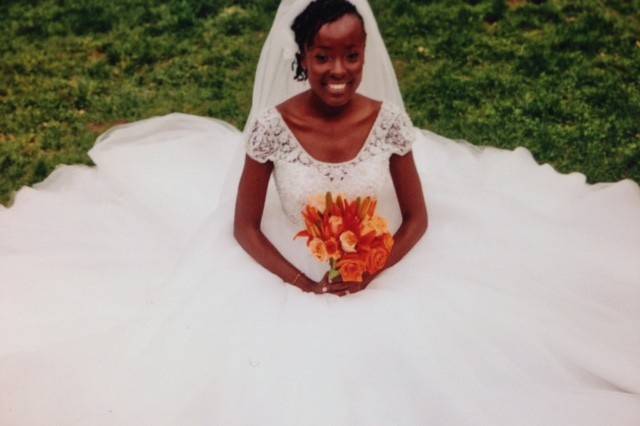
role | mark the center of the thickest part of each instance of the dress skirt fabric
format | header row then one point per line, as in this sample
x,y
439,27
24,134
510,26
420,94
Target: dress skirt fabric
x,y
126,300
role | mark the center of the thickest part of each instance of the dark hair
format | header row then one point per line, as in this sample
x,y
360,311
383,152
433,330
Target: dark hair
x,y
309,21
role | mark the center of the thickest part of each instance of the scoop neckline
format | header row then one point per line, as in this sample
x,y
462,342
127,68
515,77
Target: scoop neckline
x,y
330,163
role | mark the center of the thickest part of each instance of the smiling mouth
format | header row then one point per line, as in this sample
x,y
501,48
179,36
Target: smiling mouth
x,y
337,89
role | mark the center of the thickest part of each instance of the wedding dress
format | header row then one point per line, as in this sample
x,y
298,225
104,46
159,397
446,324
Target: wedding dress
x,y
125,299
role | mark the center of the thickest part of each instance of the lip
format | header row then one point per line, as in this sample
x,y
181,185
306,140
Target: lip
x,y
337,88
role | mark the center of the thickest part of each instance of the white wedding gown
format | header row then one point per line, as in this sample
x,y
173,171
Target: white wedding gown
x,y
125,299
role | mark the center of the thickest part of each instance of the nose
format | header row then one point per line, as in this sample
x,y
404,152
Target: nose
x,y
338,70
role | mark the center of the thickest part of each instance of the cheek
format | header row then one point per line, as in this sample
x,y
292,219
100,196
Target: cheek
x,y
356,70
357,67
317,71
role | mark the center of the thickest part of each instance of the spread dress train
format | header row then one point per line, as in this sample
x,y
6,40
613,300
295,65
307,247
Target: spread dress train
x,y
126,300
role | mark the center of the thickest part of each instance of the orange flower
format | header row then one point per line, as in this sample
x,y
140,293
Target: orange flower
x,y
366,227
376,259
347,233
387,240
348,240
335,224
375,224
319,249
318,202
351,269
333,249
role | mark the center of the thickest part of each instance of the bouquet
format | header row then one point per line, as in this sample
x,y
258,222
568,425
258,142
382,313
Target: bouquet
x,y
348,235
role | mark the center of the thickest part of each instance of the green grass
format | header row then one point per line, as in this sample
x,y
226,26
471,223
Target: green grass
x,y
559,77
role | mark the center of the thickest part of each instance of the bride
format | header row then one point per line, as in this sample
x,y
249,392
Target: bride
x,y
337,126
135,292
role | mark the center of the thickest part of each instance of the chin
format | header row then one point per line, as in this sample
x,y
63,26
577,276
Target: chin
x,y
337,102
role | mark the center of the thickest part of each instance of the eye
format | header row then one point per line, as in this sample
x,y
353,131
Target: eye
x,y
322,58
353,57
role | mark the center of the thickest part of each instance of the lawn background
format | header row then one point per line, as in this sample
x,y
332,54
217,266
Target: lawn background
x,y
558,77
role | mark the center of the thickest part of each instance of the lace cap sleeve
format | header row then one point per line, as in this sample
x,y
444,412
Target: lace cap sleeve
x,y
261,145
401,134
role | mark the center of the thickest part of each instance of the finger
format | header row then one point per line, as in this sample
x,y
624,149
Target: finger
x,y
332,288
340,287
340,292
356,288
326,289
348,292
350,289
343,293
322,288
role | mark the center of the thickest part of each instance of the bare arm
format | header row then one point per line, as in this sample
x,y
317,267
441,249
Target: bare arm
x,y
412,206
252,192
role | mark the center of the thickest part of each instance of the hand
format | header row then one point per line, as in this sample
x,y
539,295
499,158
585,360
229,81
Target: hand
x,y
307,285
342,288
336,286
356,287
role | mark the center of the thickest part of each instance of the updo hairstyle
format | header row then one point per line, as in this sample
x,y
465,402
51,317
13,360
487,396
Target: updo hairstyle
x,y
308,23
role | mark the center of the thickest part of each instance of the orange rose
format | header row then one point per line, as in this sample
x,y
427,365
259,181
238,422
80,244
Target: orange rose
x,y
319,249
335,224
333,249
351,269
376,259
348,240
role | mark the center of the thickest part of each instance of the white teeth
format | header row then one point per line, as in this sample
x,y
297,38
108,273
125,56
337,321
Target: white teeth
x,y
338,88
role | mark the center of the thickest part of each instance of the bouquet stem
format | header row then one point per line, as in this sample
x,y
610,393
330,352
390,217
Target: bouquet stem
x,y
333,272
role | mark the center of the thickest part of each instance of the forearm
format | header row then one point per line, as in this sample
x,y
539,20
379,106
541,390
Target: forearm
x,y
258,246
409,233
415,218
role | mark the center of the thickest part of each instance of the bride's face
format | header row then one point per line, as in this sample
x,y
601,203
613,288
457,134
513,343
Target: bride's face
x,y
335,60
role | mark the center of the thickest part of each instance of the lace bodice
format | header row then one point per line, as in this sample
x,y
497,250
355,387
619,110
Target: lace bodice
x,y
300,177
